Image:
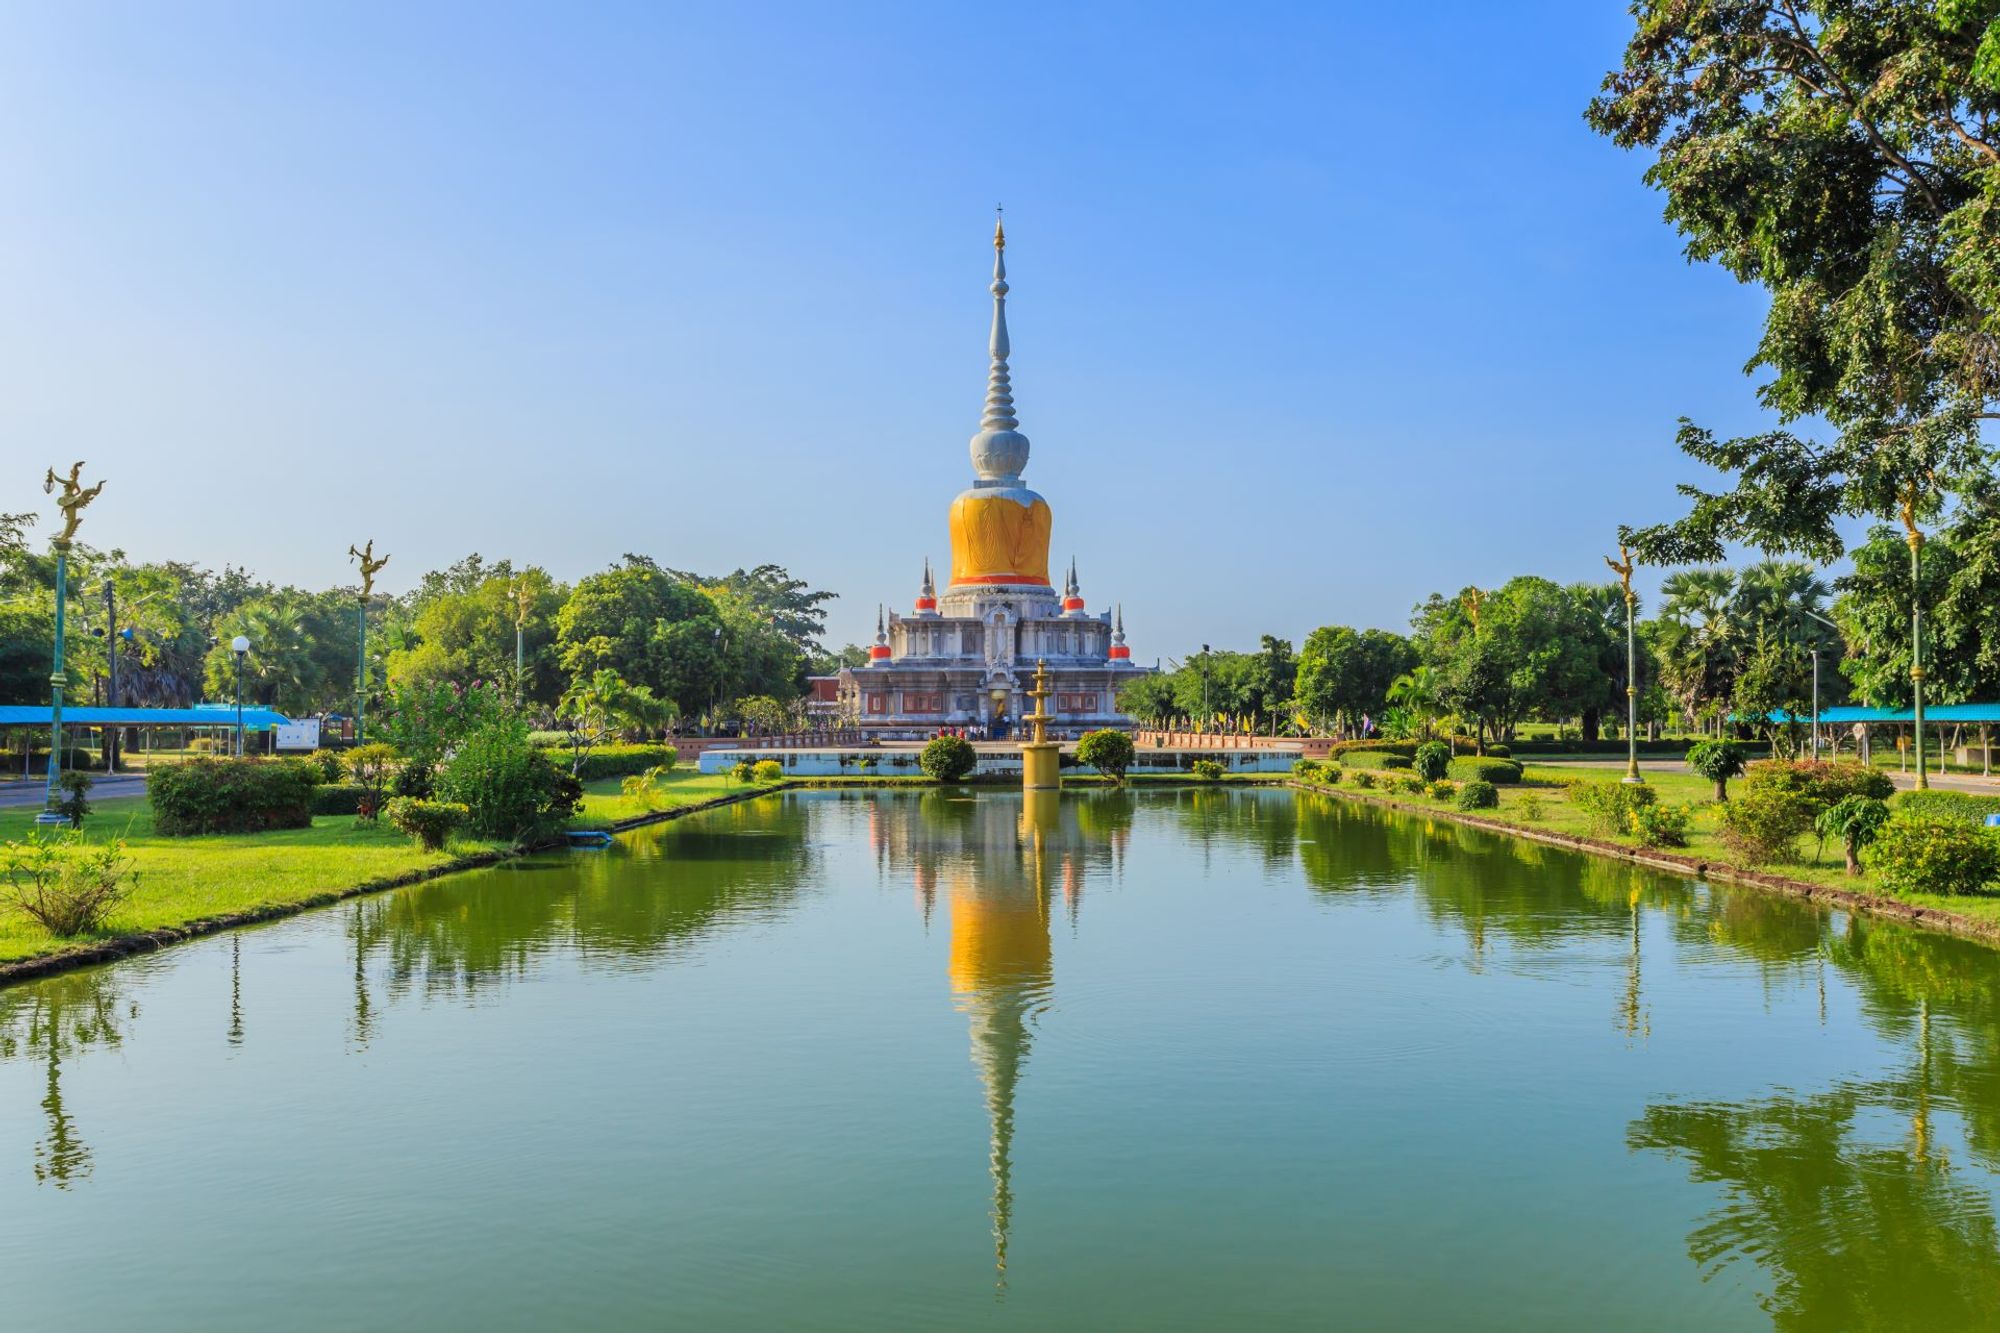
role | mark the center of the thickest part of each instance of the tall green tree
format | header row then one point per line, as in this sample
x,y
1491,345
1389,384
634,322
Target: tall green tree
x,y
650,627
1345,673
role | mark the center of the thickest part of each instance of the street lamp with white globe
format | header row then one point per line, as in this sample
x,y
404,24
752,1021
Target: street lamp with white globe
x,y
240,645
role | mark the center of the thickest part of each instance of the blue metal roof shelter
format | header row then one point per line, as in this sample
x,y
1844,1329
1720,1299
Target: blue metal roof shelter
x,y
1849,713
255,717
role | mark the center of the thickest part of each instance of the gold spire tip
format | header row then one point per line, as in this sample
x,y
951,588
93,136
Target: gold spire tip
x,y
999,230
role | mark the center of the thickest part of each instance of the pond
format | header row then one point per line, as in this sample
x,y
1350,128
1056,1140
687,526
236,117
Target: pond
x,y
1174,1060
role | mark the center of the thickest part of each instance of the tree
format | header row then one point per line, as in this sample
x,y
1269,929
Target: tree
x,y
1109,751
461,636
1718,761
1344,673
1149,698
948,758
1843,157
649,627
1421,691
1855,820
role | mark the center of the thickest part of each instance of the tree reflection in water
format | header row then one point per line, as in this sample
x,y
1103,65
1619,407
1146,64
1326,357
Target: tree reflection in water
x,y
53,1020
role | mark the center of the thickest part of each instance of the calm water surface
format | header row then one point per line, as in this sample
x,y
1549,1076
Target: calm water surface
x,y
1183,1060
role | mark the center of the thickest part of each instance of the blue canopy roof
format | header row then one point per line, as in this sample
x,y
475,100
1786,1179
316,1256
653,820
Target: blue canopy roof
x,y
255,717
1849,713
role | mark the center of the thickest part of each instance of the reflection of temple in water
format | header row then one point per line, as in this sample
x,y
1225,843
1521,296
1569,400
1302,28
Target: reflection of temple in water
x,y
1006,866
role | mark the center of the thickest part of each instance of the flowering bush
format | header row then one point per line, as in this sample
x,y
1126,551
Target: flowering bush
x,y
509,788
1208,770
768,770
1610,804
425,722
1659,825
66,885
1926,854
1442,790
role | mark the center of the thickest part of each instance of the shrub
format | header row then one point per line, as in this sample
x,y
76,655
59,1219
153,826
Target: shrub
x,y
75,801
209,795
338,798
509,788
64,884
1408,784
429,822
1610,804
1948,805
1764,821
1111,752
1373,745
1499,752
1823,783
768,770
1444,789
618,761
1855,820
1432,760
1331,773
743,771
948,758
1307,770
1478,795
1363,778
1375,759
415,779
1208,770
1499,772
1718,761
1927,854
645,787
1529,806
1657,825
329,765
371,767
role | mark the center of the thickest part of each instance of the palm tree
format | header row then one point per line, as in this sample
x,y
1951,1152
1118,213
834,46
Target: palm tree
x,y
1421,690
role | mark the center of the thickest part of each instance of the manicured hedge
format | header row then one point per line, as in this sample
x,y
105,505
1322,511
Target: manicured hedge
x,y
1404,748
1965,805
208,795
1499,772
615,761
1657,748
1374,759
338,798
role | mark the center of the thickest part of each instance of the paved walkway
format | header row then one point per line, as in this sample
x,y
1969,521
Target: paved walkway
x,y
16,793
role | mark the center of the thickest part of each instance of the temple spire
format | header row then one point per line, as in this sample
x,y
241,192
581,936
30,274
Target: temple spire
x,y
999,451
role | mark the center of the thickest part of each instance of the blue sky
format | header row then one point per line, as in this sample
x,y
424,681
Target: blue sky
x,y
1317,308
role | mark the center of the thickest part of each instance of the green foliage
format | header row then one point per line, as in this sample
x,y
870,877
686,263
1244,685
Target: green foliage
x,y
1936,804
431,823
1364,779
1657,825
768,770
1111,752
1610,804
462,632
650,628
66,885
1916,853
1344,673
1406,784
1763,823
1375,759
618,761
948,758
1841,157
210,795
1854,820
1539,648
1478,795
1432,760
371,766
422,722
1306,770
1499,772
1208,770
1718,761
75,801
742,771
331,769
338,798
1529,806
646,787
1821,782
510,789
1498,751
1444,789
415,780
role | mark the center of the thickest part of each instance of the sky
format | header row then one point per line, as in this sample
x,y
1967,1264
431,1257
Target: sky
x,y
1316,308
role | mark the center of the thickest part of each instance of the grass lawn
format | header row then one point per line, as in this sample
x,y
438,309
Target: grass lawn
x,y
1546,784
604,803
186,879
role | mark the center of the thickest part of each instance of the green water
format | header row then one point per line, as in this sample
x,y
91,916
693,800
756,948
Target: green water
x,y
1194,1060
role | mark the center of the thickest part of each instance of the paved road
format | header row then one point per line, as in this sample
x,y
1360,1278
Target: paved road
x,y
15,794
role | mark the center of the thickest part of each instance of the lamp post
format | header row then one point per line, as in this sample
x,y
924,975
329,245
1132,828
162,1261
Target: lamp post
x,y
371,565
75,497
1815,659
1623,567
240,646
1916,541
1204,685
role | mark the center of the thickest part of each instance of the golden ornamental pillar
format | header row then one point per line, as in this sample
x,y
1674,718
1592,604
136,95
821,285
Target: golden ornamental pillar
x,y
1041,758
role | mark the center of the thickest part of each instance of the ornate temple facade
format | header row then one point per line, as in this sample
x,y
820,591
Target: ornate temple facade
x,y
963,657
